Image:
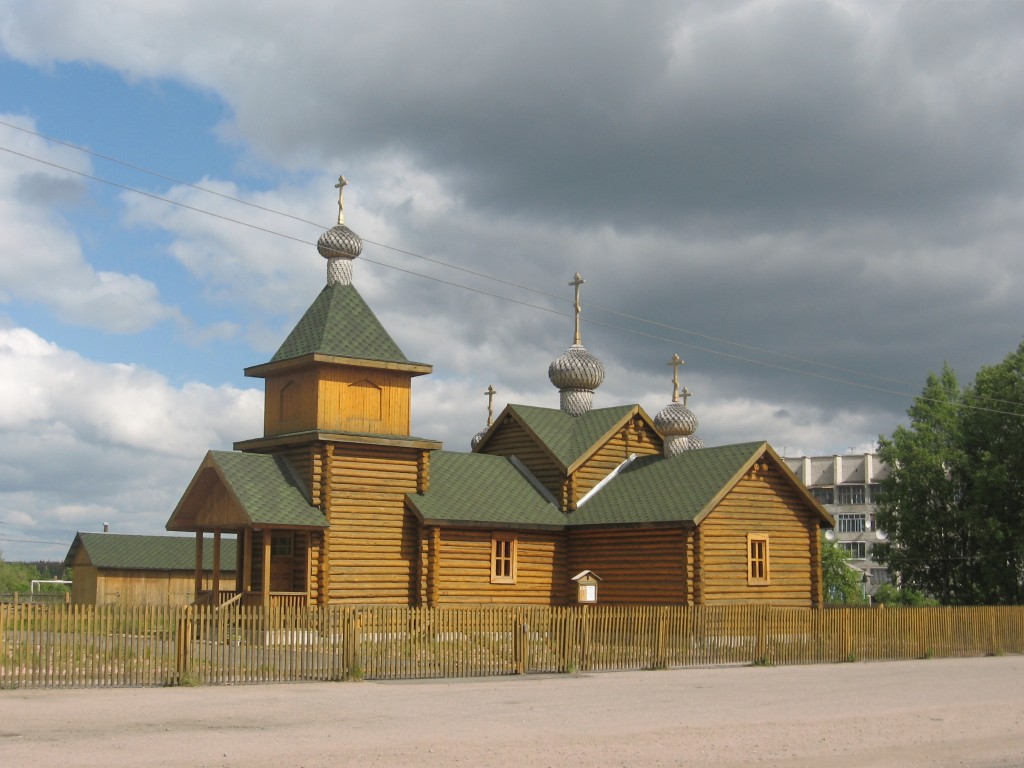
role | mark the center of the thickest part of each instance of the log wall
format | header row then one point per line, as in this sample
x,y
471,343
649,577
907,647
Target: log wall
x,y
637,566
462,572
763,502
372,545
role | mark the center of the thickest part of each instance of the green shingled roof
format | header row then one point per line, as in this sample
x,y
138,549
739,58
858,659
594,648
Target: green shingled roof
x,y
159,553
477,488
267,489
655,489
569,437
339,323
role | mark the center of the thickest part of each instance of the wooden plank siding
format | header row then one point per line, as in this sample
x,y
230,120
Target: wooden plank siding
x,y
645,566
371,545
139,587
510,439
635,438
338,398
763,502
462,571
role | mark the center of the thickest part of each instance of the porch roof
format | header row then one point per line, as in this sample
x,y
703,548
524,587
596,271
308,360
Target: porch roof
x,y
234,490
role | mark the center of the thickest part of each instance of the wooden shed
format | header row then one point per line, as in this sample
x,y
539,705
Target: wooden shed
x,y
141,570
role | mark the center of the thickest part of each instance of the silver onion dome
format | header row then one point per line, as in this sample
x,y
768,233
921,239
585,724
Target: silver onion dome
x,y
576,374
677,423
576,368
477,439
339,242
676,420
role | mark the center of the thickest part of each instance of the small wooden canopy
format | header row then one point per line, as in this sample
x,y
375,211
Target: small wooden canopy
x,y
233,490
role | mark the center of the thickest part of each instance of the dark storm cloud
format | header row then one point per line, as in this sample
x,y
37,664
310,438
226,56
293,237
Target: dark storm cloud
x,y
769,115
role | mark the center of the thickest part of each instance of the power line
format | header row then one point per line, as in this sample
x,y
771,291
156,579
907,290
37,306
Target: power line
x,y
266,230
413,254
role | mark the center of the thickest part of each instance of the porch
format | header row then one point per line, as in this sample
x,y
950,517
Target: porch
x,y
274,569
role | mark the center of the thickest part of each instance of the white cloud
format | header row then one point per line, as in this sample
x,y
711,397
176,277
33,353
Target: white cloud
x,y
41,257
82,443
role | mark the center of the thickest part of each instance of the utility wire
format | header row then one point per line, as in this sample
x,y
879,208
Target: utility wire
x,y
666,326
432,260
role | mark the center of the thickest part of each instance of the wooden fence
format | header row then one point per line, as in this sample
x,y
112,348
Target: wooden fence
x,y
91,646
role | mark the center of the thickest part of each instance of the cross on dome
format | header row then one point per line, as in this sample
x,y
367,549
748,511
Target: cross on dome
x,y
577,281
675,362
340,186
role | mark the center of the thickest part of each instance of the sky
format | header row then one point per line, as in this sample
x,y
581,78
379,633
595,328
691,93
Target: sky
x,y
815,204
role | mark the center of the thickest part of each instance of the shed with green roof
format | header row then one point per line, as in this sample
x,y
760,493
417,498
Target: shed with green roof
x,y
128,569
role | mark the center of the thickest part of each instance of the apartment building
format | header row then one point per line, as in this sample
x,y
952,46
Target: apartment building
x,y
847,486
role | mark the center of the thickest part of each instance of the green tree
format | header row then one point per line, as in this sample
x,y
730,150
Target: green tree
x,y
954,504
993,438
841,583
889,594
923,505
15,577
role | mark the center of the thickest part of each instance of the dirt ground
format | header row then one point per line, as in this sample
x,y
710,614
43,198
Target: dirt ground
x,y
936,712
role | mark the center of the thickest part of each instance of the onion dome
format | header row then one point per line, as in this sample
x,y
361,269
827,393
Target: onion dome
x,y
577,373
339,244
675,421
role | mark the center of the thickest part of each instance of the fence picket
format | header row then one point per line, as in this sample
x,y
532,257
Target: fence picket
x,y
111,646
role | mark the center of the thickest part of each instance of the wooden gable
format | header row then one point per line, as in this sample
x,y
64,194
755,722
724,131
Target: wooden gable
x,y
633,436
208,504
765,514
570,472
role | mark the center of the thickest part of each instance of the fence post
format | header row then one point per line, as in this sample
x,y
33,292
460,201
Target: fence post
x,y
519,642
352,669
661,642
761,651
183,647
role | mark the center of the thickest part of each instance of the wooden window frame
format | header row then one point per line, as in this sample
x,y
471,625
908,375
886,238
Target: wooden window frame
x,y
503,558
758,559
278,549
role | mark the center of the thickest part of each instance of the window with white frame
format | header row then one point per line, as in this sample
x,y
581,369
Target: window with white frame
x,y
853,522
857,550
851,494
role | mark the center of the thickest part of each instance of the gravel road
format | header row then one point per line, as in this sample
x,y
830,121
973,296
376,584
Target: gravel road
x,y
936,712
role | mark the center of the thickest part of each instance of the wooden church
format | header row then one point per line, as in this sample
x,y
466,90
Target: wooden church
x,y
337,503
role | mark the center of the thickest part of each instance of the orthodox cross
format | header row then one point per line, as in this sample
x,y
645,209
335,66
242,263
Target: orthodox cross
x,y
491,392
675,362
340,186
686,395
577,281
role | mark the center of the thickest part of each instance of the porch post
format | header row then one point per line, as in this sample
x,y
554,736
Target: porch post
x,y
266,567
216,567
246,568
199,564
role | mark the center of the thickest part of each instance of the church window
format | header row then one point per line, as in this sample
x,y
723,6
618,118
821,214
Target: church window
x,y
503,559
757,559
